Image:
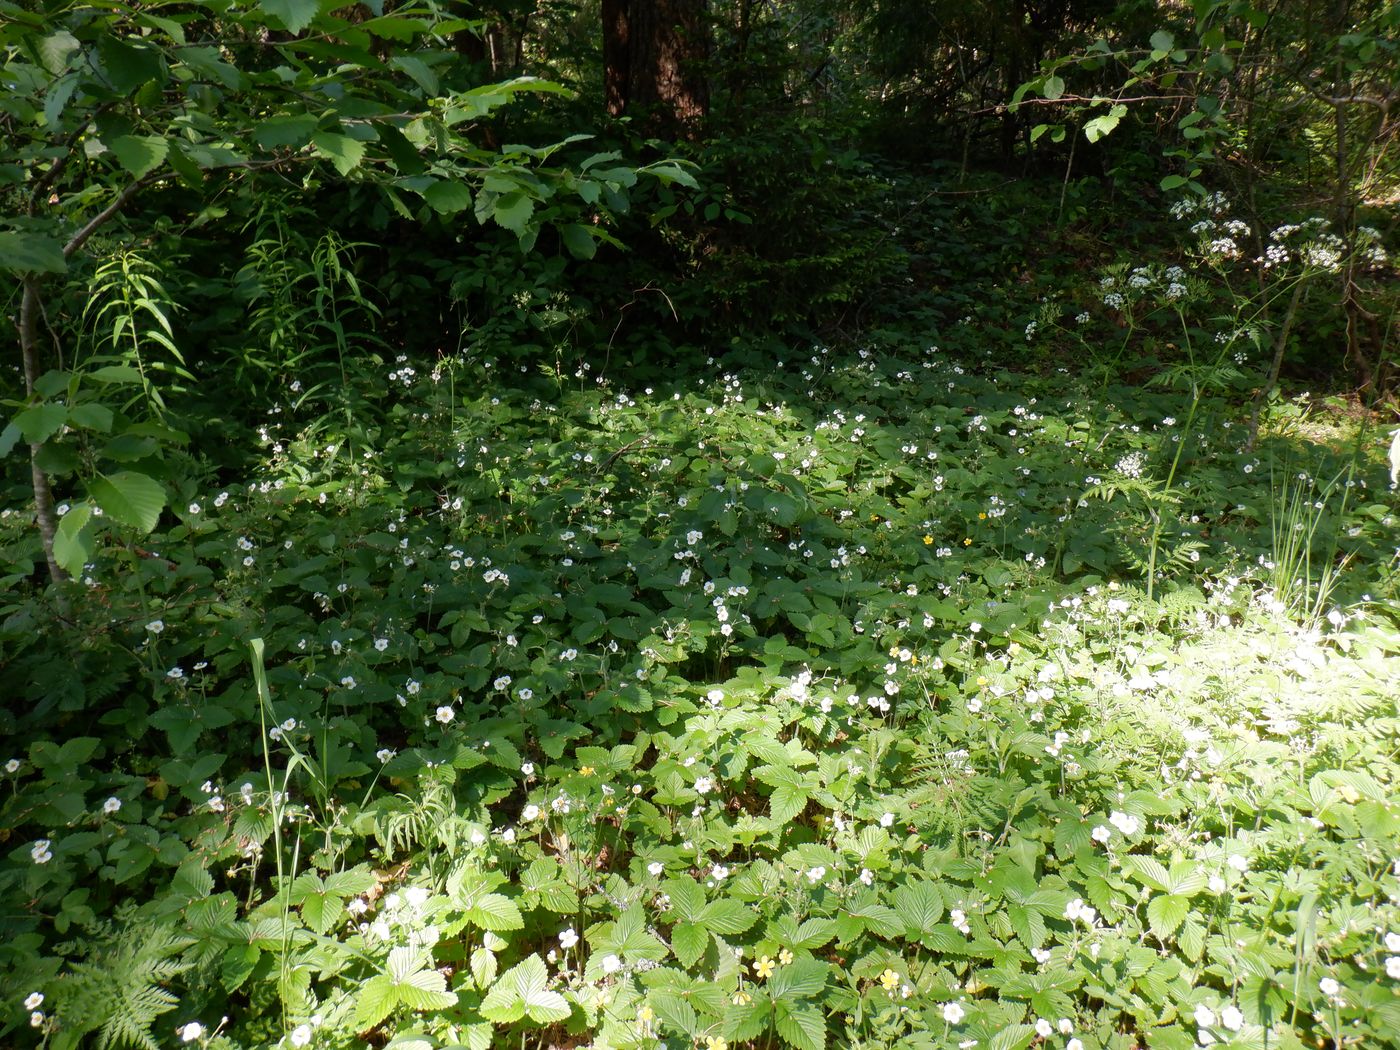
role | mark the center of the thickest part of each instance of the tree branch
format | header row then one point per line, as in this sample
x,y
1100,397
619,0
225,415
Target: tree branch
x,y
96,222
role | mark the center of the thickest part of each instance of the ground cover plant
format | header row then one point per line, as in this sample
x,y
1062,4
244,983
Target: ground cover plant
x,y
813,704
715,526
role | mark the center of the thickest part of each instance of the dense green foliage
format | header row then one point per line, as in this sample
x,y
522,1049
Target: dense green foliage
x,y
860,570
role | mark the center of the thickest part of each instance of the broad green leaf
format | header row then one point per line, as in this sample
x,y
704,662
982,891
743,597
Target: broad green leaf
x,y
920,905
522,991
73,542
448,198
802,978
1102,125
342,151
378,997
55,48
727,917
578,240
9,438
91,416
512,211
1171,182
26,252
1053,88
294,131
132,499
295,15
689,941
421,73
495,912
800,1025
425,990
40,422
483,964
139,154
1166,912
1162,40
125,66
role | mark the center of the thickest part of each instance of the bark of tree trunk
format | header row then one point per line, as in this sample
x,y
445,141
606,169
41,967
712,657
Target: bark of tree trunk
x,y
653,55
44,510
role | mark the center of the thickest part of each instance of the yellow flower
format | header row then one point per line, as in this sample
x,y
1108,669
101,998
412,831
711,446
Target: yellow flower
x,y
928,541
981,680
714,1042
586,771
981,516
645,1015
894,650
889,980
784,957
764,967
967,542
741,998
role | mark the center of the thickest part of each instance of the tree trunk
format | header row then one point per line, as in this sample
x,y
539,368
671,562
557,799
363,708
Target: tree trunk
x,y
44,510
653,56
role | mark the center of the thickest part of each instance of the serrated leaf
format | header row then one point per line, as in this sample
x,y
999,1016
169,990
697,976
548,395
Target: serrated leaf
x,y
283,131
132,499
55,48
426,990
727,917
512,211
495,912
25,252
687,898
689,941
483,963
342,151
138,154
40,422
295,15
800,979
800,1025
1166,912
920,905
787,802
522,991
1149,872
377,999
448,198
673,1010
73,542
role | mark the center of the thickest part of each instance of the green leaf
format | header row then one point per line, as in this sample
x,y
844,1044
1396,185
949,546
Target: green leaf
x,y
1162,40
800,1025
578,240
295,15
1053,88
1171,182
920,905
24,252
295,130
378,997
421,73
495,913
139,154
40,422
342,151
1100,126
522,991
727,917
483,963
425,990
91,417
512,211
55,49
1166,912
126,67
448,198
73,542
132,499
802,978
689,941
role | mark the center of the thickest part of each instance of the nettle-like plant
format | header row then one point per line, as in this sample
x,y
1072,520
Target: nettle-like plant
x,y
121,107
